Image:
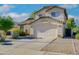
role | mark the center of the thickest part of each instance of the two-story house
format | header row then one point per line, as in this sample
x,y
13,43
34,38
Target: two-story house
x,y
48,22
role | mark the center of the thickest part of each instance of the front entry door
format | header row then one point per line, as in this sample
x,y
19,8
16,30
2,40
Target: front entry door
x,y
67,32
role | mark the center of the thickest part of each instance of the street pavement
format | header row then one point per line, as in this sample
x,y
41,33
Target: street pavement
x,y
25,47
59,46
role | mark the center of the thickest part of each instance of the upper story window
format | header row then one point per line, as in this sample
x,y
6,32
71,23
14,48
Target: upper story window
x,y
40,15
55,14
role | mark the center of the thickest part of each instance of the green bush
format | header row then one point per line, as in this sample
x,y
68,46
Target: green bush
x,y
77,36
2,40
21,33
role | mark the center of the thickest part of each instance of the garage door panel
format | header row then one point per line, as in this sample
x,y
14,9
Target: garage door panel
x,y
47,34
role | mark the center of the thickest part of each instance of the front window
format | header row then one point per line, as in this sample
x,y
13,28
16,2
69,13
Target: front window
x,y
40,15
55,14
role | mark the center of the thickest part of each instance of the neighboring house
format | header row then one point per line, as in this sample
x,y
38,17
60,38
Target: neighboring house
x,y
48,22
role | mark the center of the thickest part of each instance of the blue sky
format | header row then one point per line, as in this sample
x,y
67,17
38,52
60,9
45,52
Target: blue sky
x,y
20,12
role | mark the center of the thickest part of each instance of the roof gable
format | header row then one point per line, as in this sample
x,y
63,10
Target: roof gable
x,y
47,8
31,20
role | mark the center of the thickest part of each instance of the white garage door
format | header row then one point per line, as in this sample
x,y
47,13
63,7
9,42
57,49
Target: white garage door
x,y
50,34
46,31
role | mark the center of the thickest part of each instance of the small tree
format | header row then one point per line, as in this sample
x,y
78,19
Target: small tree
x,y
75,29
70,23
33,14
6,23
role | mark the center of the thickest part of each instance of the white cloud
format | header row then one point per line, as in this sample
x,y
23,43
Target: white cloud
x,y
69,6
4,11
71,16
19,17
5,8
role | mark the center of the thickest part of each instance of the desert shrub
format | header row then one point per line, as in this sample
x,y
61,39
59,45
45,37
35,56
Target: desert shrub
x,y
2,36
15,34
2,39
77,36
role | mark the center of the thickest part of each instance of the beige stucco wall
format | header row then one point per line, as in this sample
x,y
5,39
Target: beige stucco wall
x,y
47,20
61,11
42,22
61,31
50,23
27,27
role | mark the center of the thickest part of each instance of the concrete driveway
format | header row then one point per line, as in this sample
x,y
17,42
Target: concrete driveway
x,y
65,46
